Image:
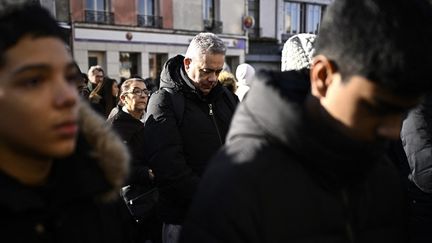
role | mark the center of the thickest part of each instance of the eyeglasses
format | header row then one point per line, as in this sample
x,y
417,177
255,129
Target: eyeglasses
x,y
140,92
208,71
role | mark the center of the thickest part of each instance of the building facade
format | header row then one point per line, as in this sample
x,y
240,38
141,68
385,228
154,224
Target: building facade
x,y
135,37
275,22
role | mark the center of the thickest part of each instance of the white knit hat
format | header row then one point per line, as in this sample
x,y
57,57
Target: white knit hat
x,y
245,73
298,51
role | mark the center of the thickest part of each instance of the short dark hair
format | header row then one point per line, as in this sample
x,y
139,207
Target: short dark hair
x,y
18,21
387,42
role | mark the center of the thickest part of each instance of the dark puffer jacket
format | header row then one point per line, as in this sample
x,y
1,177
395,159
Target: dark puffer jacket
x,y
178,151
80,201
286,176
416,137
131,130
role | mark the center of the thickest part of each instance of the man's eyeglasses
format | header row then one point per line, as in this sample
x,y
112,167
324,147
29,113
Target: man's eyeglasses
x,y
208,71
140,92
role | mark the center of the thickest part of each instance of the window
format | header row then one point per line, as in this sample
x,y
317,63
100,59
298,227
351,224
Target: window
x,y
129,64
97,11
209,10
96,58
302,17
146,7
313,19
253,11
292,17
156,62
97,5
147,14
211,16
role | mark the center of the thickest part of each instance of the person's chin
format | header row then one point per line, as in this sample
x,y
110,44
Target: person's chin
x,y
63,149
206,91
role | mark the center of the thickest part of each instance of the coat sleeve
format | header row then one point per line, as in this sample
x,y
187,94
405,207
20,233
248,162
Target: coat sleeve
x,y
133,137
417,142
164,150
139,171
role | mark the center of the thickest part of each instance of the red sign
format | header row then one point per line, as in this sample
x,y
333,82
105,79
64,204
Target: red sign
x,y
248,22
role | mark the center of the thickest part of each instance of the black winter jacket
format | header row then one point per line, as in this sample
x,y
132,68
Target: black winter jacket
x,y
287,176
178,151
131,130
79,203
416,136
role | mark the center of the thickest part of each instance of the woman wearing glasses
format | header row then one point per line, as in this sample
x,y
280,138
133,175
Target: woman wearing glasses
x,y
129,124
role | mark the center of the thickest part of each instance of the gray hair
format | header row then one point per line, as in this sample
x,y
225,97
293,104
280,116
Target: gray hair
x,y
94,69
205,43
127,83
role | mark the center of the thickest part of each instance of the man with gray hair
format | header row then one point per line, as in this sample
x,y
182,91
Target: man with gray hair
x,y
186,123
95,75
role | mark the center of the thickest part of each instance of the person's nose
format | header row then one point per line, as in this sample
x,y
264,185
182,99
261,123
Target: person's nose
x,y
213,77
65,93
390,127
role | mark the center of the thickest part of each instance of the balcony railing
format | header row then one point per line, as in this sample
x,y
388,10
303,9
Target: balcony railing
x,y
100,17
149,21
212,25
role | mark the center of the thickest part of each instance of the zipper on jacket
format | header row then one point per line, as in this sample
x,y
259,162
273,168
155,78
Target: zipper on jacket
x,y
214,122
348,223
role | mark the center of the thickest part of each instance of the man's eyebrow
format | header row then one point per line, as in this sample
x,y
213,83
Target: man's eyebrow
x,y
31,67
40,67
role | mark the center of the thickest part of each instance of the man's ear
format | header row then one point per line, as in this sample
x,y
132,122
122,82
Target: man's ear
x,y
186,62
321,75
123,98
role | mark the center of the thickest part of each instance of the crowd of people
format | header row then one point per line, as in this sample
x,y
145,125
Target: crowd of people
x,y
336,147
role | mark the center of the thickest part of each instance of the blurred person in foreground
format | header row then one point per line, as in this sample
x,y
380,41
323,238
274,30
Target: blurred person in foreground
x,y
314,169
61,169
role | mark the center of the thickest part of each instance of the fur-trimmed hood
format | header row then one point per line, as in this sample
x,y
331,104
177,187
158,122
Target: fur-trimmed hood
x,y
107,148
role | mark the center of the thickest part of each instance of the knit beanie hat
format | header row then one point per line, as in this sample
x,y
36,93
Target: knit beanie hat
x,y
245,74
298,51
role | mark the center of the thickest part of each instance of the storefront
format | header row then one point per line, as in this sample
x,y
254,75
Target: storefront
x,y
122,52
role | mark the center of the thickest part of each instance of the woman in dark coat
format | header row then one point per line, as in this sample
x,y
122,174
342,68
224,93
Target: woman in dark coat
x,y
128,122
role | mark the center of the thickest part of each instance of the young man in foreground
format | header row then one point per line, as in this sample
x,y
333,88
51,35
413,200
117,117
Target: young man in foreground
x,y
310,166
60,169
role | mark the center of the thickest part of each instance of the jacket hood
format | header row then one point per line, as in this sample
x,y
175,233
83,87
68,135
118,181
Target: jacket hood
x,y
173,77
245,74
266,106
274,112
171,73
106,148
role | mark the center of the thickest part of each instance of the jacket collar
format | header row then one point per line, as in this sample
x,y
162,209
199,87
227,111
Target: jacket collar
x,y
95,170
